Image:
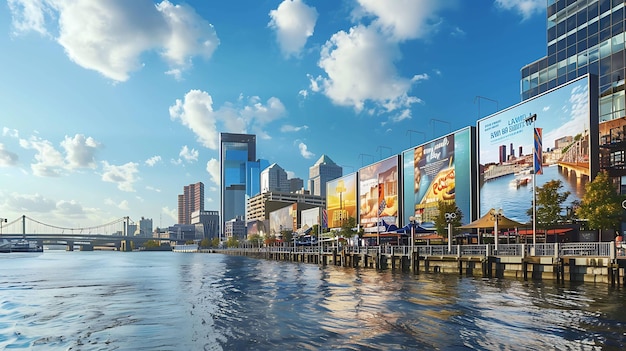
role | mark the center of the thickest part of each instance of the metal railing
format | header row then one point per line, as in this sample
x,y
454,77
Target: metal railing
x,y
594,249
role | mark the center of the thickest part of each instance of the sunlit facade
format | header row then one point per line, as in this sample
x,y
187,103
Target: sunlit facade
x,y
587,37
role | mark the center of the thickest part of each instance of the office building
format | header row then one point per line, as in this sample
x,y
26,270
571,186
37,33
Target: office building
x,y
206,222
295,184
260,206
322,171
237,153
274,178
191,200
235,228
587,37
145,228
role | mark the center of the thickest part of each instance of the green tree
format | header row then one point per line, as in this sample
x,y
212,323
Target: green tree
x,y
549,204
347,227
256,240
215,242
441,223
287,236
205,243
601,205
151,244
232,242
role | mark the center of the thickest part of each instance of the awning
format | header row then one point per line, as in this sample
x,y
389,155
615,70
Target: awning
x,y
556,231
489,220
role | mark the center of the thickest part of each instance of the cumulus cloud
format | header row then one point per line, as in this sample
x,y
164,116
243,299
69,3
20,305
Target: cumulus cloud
x,y
49,161
80,151
123,176
359,68
188,155
7,158
173,213
153,160
196,112
110,36
123,205
213,168
29,203
294,22
70,208
526,8
304,151
401,19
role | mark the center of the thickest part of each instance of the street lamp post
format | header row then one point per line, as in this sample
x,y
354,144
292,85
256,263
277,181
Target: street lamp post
x,y
412,219
496,216
450,216
531,120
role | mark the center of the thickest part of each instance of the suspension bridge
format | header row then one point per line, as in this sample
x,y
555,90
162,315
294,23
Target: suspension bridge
x,y
112,235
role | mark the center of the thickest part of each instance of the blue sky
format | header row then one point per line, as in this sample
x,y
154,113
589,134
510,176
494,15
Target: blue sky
x,y
109,108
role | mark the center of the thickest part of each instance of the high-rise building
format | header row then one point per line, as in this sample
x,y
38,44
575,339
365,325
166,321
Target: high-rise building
x,y
295,184
587,37
191,200
237,152
145,228
274,178
322,171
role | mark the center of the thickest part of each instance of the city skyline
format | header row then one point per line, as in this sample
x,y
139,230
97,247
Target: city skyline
x,y
88,136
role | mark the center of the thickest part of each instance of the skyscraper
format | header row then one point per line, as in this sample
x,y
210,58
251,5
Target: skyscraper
x,y
192,199
322,171
274,178
587,36
236,153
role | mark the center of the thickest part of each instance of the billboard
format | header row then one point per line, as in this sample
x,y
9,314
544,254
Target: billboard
x,y
440,170
567,126
378,195
341,200
283,219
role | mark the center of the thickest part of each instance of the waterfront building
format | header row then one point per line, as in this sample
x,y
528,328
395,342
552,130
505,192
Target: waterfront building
x,y
237,176
274,178
145,227
181,233
235,228
587,37
206,222
260,206
320,173
192,199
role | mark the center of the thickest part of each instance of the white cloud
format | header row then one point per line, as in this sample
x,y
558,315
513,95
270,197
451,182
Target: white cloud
x,y
28,203
304,151
12,133
7,158
196,112
153,189
50,162
123,205
110,36
188,155
70,208
359,68
153,160
289,128
80,151
123,176
526,8
173,213
401,19
213,168
294,23
304,93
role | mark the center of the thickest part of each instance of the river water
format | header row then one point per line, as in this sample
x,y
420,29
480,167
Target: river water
x,y
179,301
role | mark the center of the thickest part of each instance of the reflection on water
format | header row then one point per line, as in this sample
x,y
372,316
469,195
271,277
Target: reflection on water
x,y
170,301
515,201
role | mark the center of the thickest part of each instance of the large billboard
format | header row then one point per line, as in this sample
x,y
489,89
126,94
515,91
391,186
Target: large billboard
x,y
283,219
341,200
568,122
378,195
440,170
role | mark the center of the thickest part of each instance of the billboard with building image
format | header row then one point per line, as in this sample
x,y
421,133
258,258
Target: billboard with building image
x,y
341,200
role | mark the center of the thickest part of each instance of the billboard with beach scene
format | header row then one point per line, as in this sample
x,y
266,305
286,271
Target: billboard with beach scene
x,y
568,122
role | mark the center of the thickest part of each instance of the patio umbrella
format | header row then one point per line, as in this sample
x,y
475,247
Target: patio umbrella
x,y
489,219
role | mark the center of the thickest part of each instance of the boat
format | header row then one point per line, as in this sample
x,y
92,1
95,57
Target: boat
x,y
186,248
21,245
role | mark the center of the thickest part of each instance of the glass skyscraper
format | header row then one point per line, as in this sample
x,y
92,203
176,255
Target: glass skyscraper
x,y
237,152
587,37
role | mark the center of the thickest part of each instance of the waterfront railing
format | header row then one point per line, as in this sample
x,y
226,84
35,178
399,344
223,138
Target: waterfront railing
x,y
580,249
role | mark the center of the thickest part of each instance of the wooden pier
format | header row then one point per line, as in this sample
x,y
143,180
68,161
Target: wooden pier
x,y
582,262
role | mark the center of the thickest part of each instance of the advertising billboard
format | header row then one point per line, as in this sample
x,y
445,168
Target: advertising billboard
x,y
564,123
378,195
341,200
440,170
283,219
